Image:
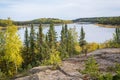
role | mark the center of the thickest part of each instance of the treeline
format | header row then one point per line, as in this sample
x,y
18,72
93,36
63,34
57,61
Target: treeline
x,y
7,22
101,20
43,21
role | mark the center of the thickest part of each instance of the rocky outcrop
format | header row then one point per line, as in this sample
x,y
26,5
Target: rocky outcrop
x,y
47,73
70,67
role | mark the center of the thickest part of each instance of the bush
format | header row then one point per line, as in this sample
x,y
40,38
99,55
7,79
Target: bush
x,y
117,69
91,68
54,58
92,47
3,76
78,49
107,76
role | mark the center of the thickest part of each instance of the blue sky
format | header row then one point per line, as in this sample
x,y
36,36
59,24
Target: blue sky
x,y
21,10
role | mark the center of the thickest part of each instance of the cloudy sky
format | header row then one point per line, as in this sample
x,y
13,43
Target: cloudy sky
x,y
64,9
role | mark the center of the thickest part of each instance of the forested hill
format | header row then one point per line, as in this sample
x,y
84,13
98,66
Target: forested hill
x,y
43,21
101,20
6,22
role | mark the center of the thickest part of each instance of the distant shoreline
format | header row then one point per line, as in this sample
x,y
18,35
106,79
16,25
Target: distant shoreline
x,y
108,25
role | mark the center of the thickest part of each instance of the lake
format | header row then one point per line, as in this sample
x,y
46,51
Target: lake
x,y
93,33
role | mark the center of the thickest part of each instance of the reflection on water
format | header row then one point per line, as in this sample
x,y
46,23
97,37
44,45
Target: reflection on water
x,y
94,33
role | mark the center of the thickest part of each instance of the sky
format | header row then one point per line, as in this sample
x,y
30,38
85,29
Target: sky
x,y
21,10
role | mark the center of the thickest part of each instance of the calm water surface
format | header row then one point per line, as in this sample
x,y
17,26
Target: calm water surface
x,y
94,33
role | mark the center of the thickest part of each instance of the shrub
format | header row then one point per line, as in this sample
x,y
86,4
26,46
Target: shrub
x,y
78,49
107,76
117,69
91,68
54,58
92,46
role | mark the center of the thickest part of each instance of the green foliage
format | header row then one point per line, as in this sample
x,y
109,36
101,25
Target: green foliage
x,y
54,58
91,68
117,70
71,43
82,41
68,41
26,39
107,76
52,39
117,36
32,45
3,76
25,51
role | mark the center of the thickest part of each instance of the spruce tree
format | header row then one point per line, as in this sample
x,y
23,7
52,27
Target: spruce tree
x,y
32,45
63,35
52,39
62,48
40,35
117,35
25,51
82,41
26,41
40,43
66,37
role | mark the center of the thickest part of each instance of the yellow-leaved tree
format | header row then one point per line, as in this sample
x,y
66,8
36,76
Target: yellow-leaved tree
x,y
13,46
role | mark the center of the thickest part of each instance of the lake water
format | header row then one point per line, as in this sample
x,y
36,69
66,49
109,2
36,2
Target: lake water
x,y
93,33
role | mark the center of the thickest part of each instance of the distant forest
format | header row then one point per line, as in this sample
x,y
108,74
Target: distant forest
x,y
43,21
100,20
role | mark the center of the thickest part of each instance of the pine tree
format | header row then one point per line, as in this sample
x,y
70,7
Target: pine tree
x,y
52,39
117,35
32,45
26,50
66,37
40,35
26,41
40,43
71,41
63,35
62,48
82,41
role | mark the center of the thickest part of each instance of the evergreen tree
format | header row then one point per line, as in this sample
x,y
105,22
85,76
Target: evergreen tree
x,y
32,45
52,39
82,41
40,43
71,41
66,37
26,40
63,35
62,48
25,51
40,35
117,35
